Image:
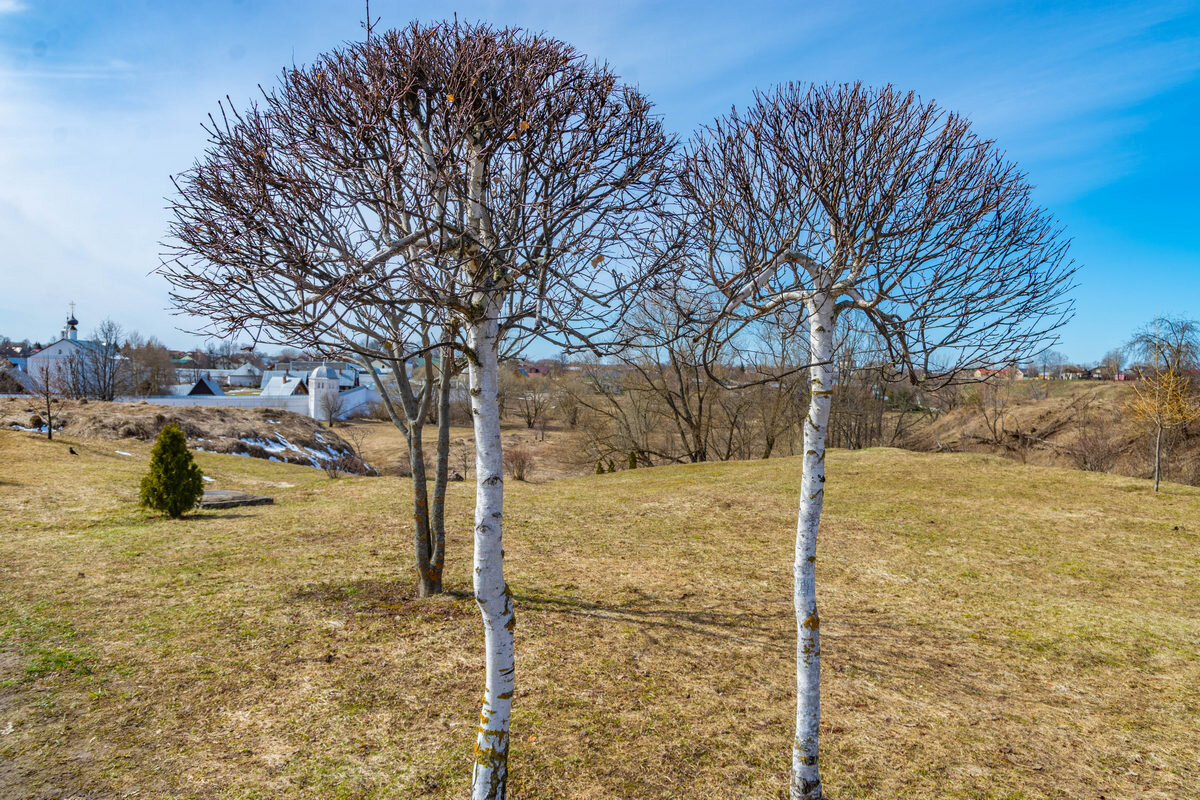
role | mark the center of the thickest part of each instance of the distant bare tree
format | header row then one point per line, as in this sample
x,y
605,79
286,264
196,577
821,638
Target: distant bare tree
x,y
100,371
1169,343
150,370
1051,363
836,200
565,397
47,384
224,353
1112,362
1169,348
533,404
332,406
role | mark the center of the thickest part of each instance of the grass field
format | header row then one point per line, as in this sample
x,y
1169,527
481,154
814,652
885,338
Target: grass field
x,y
990,630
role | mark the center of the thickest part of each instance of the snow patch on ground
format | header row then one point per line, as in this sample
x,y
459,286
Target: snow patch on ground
x,y
206,478
278,445
123,453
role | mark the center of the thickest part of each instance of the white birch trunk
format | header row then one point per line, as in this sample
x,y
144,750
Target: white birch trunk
x,y
806,778
490,774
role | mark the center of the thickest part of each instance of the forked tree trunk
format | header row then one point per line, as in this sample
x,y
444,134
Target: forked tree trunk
x,y
428,541
806,778
429,579
490,776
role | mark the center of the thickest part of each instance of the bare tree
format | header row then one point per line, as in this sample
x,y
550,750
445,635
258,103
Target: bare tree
x,y
47,383
1169,349
1111,364
565,397
533,404
495,178
613,416
332,406
838,200
224,353
98,370
1168,343
150,370
1051,363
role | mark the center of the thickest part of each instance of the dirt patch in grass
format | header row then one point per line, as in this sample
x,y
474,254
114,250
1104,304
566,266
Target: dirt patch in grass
x,y
990,630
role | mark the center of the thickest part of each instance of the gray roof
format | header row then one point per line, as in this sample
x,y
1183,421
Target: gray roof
x,y
83,344
283,387
247,369
324,371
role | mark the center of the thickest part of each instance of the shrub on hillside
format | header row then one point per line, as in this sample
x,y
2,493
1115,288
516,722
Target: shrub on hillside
x,y
174,484
519,462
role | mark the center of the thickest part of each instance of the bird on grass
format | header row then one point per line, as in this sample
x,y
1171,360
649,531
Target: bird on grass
x,y
71,450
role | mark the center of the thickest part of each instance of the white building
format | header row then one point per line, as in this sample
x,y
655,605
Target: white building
x,y
322,384
245,375
60,361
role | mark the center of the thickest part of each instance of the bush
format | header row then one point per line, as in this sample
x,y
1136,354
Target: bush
x,y
174,484
377,411
519,462
1095,451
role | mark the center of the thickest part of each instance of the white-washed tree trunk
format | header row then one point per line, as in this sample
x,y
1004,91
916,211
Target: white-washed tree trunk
x,y
806,778
490,774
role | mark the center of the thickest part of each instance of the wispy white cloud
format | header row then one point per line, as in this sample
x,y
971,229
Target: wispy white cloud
x,y
11,6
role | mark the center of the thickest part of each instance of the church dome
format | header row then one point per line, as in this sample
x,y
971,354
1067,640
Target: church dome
x,y
324,371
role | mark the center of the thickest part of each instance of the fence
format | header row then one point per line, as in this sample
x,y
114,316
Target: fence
x,y
353,401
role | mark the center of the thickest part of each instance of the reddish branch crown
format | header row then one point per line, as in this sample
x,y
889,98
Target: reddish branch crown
x,y
888,206
419,174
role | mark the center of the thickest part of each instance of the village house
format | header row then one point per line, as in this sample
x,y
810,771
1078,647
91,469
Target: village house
x,y
983,373
284,386
245,375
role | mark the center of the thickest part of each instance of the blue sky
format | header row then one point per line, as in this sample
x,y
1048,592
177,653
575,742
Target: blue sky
x,y
100,102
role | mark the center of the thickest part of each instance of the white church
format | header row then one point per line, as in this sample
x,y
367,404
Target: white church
x,y
56,360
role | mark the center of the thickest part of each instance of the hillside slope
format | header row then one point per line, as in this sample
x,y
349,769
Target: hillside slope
x,y
991,630
1080,424
268,433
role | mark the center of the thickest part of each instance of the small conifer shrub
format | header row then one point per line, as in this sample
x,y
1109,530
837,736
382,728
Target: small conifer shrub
x,y
174,484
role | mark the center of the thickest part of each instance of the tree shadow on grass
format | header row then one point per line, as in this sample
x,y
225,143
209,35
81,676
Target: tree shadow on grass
x,y
384,596
881,647
856,641
747,627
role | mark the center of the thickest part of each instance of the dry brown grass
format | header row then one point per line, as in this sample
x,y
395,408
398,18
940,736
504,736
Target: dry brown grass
x,y
991,631
239,431
1081,424
551,452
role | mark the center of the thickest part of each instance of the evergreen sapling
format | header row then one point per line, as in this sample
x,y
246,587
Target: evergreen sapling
x,y
174,484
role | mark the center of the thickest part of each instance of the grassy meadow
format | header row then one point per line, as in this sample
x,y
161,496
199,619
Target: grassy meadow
x,y
990,630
